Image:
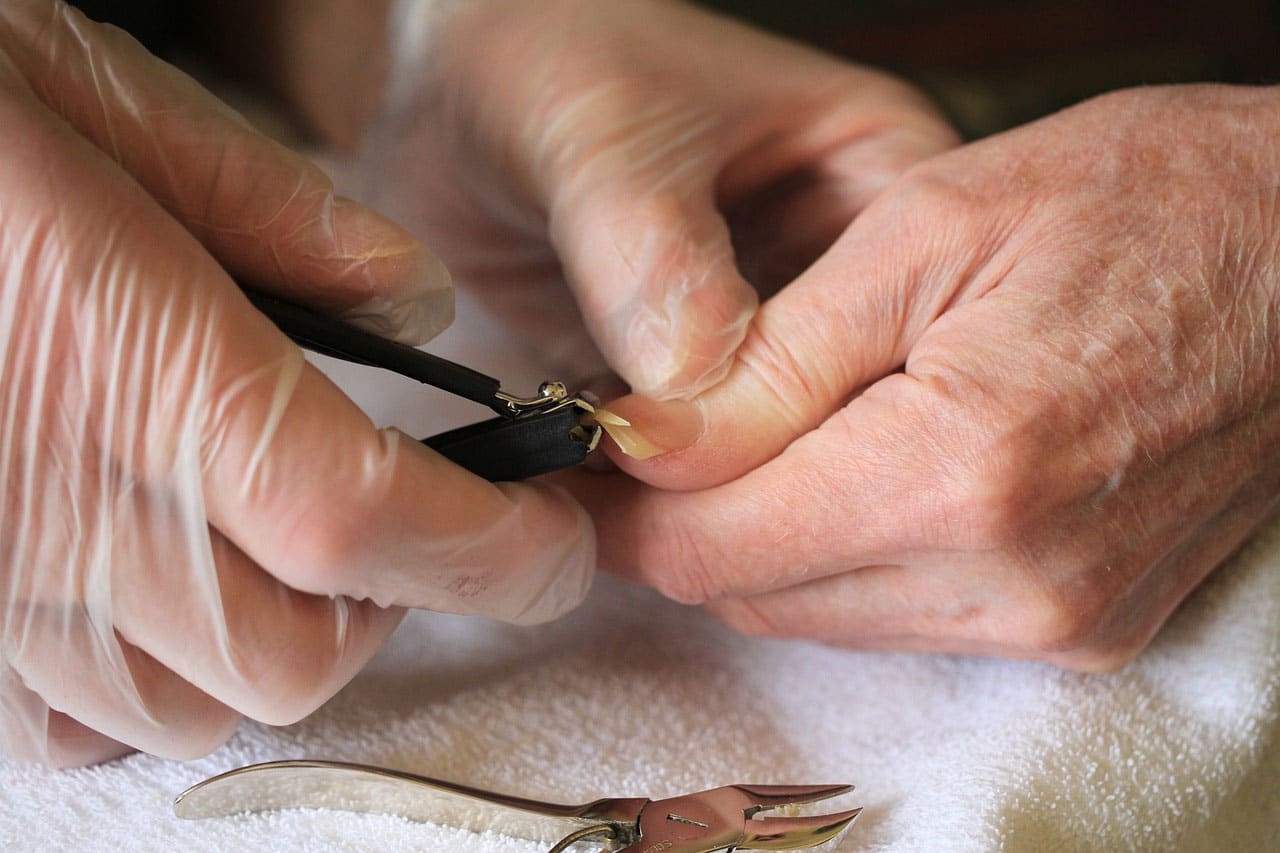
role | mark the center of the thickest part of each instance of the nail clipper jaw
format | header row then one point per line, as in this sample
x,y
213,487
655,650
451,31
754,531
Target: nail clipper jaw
x,y
552,397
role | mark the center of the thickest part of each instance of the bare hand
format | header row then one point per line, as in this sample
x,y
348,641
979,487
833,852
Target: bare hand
x,y
1062,346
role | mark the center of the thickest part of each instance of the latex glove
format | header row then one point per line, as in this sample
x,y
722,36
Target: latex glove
x,y
1067,342
644,152
194,523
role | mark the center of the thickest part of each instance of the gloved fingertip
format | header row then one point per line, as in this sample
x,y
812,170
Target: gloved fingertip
x,y
413,320
412,291
681,348
690,378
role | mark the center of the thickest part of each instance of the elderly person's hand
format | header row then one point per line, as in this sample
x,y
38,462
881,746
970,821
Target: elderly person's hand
x,y
649,154
194,523
1029,400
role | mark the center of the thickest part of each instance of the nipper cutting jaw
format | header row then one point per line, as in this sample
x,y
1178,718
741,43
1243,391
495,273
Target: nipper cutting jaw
x,y
726,819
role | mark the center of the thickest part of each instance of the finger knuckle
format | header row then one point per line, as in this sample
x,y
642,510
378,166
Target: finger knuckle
x,y
931,191
280,690
322,552
202,734
1056,622
789,374
982,508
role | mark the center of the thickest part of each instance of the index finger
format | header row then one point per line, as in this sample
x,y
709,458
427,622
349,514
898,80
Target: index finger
x,y
301,480
833,502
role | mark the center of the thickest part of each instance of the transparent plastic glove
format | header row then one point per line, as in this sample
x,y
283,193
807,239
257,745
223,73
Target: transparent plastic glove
x,y
1086,316
660,159
194,523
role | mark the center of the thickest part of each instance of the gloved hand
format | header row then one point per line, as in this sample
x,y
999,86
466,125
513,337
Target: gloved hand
x,y
644,152
1085,314
194,523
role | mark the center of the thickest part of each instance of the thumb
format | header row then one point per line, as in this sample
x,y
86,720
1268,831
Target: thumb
x,y
267,214
849,320
655,278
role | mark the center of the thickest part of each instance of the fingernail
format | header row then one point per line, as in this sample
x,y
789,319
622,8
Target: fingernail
x,y
643,427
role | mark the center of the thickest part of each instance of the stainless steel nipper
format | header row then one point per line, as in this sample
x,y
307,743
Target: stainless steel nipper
x,y
720,819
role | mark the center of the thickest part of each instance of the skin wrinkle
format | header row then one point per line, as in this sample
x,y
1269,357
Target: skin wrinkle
x,y
1131,406
1162,349
978,275
1149,426
764,362
1178,515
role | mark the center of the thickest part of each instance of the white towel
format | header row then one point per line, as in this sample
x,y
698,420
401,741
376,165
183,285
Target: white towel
x,y
635,696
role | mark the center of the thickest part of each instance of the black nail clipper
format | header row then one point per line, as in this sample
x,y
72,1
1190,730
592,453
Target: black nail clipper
x,y
530,436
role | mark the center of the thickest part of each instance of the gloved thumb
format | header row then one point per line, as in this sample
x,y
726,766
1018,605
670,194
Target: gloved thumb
x,y
655,278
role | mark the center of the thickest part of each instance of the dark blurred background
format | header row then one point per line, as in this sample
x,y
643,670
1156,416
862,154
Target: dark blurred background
x,y
996,63
990,63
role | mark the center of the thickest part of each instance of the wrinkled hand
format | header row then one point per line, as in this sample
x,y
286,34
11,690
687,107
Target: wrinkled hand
x,y
644,152
1023,407
194,523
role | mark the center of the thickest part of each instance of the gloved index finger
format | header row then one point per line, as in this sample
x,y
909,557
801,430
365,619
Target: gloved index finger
x,y
301,480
